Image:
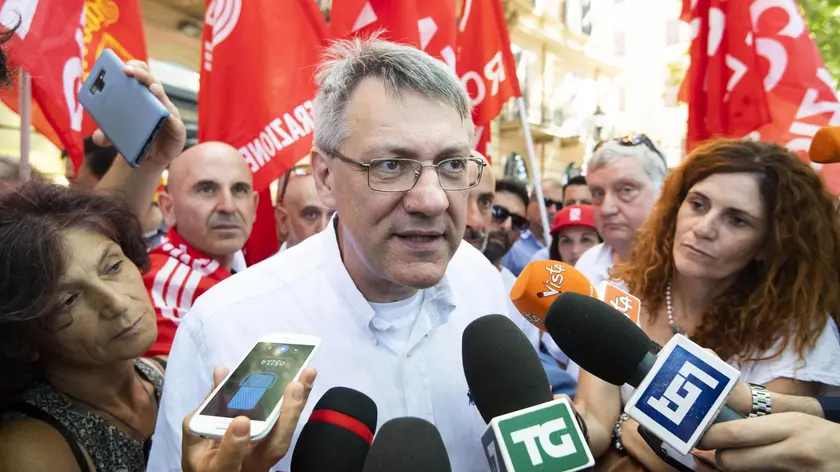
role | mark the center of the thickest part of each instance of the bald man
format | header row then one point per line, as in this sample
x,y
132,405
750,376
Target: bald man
x,y
299,211
209,206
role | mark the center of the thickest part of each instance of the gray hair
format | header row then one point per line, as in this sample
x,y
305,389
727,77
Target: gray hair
x,y
653,163
399,67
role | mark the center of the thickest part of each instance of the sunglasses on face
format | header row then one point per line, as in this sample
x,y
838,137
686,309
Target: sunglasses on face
x,y
299,171
549,203
518,222
637,139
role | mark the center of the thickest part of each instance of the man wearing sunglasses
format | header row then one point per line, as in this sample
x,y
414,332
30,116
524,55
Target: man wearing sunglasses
x,y
299,211
531,240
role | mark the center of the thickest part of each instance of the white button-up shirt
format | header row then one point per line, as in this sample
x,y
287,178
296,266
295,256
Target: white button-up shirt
x,y
307,290
596,263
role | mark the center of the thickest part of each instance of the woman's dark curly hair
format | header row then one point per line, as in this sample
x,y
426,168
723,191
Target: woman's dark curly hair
x,y
6,74
790,295
33,257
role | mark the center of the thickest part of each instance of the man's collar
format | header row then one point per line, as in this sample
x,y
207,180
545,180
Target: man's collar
x,y
439,299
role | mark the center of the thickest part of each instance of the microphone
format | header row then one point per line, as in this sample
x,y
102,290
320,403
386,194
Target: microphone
x,y
825,147
679,392
538,285
342,422
407,445
527,430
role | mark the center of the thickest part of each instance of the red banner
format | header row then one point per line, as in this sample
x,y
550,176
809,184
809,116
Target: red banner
x,y
48,45
485,61
397,19
257,89
116,25
755,72
438,28
257,85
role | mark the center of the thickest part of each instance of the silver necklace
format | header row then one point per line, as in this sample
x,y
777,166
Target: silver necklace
x,y
669,309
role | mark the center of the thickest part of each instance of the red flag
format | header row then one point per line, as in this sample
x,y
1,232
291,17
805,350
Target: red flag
x,y
398,19
438,28
259,99
263,241
256,91
48,45
116,25
485,62
756,72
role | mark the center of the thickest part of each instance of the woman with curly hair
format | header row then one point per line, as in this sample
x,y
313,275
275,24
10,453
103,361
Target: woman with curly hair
x,y
741,255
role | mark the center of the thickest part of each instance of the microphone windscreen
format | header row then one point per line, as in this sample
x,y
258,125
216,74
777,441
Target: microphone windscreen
x,y
501,367
338,435
408,445
539,284
598,338
825,147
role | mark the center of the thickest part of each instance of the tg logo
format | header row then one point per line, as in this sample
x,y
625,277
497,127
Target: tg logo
x,y
542,437
543,432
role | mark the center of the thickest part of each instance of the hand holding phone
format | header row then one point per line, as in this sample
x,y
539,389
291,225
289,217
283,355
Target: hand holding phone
x,y
132,109
234,451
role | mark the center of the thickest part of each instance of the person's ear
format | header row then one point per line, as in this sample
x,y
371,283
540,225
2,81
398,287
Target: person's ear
x,y
324,176
281,216
167,208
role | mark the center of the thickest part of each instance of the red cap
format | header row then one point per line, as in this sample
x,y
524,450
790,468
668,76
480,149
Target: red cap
x,y
573,215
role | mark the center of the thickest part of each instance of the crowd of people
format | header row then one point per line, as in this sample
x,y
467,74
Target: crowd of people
x,y
121,306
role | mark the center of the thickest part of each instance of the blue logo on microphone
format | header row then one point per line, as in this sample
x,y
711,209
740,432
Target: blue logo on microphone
x,y
682,393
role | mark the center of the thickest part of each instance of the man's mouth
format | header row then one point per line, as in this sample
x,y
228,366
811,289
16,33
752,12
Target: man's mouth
x,y
420,236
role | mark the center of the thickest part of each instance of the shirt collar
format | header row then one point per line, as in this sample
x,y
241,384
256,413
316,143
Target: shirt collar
x,y
439,300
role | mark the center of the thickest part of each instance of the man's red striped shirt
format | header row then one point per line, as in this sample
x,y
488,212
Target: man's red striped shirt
x,y
179,274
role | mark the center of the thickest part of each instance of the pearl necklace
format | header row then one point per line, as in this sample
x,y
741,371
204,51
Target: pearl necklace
x,y
669,309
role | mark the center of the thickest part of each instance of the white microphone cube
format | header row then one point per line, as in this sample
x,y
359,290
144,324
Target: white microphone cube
x,y
682,394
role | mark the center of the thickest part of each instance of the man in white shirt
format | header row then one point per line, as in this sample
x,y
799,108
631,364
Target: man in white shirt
x,y
625,177
388,286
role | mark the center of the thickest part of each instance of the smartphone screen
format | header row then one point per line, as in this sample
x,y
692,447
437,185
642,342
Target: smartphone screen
x,y
257,384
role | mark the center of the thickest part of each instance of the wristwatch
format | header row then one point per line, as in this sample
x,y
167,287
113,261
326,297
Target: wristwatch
x,y
761,405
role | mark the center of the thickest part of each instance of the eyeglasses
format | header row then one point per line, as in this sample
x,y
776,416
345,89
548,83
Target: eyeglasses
x,y
298,170
636,139
549,203
500,214
395,174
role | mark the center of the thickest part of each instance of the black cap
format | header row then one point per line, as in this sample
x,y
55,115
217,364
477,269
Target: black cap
x,y
502,368
408,445
597,337
338,434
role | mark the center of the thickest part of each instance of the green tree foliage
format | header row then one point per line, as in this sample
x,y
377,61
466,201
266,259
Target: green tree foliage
x,y
823,19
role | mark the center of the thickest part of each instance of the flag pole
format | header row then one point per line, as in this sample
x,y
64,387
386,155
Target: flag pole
x,y
535,170
25,109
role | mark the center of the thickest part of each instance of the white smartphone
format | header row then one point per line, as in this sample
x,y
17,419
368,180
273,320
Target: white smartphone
x,y
255,387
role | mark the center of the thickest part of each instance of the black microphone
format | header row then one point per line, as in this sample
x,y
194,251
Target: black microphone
x,y
527,428
338,435
407,445
501,367
606,343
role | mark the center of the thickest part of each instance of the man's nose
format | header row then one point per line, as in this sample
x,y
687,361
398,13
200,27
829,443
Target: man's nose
x,y
427,196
